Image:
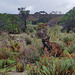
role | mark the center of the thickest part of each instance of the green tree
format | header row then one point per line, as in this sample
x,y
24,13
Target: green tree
x,y
10,23
68,20
24,14
43,20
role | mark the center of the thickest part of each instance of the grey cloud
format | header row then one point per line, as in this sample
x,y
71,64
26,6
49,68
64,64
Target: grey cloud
x,y
10,6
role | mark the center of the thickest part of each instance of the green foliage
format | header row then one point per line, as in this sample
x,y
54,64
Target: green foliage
x,y
68,20
29,54
54,30
24,14
14,46
14,29
28,40
42,26
6,63
67,39
45,65
5,53
20,67
52,66
10,23
42,30
34,22
43,20
1,61
30,29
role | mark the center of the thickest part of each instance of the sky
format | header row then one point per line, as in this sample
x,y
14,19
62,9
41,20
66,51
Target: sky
x,y
11,6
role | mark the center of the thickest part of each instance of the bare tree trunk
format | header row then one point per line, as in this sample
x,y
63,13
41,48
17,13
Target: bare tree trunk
x,y
25,25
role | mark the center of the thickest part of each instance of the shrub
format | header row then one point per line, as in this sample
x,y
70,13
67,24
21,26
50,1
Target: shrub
x,y
28,40
6,63
41,30
14,46
29,54
73,29
67,39
52,66
14,29
68,20
1,61
30,29
11,23
5,54
34,22
70,49
43,19
42,26
73,48
20,67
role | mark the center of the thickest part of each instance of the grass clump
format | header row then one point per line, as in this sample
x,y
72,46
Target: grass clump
x,y
28,40
29,54
42,26
5,53
14,46
67,39
20,67
53,66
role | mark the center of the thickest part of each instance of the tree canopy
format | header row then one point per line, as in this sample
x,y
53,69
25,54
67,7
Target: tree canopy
x,y
24,14
68,20
10,23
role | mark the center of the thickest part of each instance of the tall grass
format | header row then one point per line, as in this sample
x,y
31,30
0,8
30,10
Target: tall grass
x,y
53,66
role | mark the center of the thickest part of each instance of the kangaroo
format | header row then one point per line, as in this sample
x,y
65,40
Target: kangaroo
x,y
53,48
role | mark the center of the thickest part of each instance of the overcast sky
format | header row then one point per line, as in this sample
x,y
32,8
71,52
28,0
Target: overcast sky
x,y
10,6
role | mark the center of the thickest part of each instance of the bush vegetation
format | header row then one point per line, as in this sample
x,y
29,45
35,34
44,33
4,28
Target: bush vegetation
x,y
68,21
20,67
51,66
56,66
10,23
32,52
25,49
